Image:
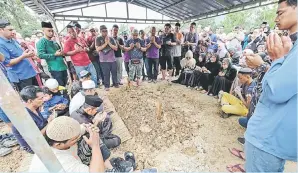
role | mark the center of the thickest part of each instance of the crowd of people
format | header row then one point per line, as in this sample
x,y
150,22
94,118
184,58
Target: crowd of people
x,y
250,72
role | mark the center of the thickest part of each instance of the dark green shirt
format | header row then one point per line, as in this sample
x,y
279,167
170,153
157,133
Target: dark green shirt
x,y
46,50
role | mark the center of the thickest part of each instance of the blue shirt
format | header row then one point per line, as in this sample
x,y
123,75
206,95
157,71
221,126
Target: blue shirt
x,y
213,38
40,123
23,70
273,126
55,100
135,53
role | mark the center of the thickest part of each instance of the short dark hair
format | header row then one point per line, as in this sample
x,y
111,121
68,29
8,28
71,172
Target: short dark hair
x,y
289,2
178,24
116,26
30,92
46,90
51,142
169,25
193,23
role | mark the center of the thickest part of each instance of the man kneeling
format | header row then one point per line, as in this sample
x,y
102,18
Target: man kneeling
x,y
232,105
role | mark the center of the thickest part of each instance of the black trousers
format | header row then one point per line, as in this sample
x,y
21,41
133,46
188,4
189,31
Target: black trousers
x,y
153,68
26,82
177,65
60,76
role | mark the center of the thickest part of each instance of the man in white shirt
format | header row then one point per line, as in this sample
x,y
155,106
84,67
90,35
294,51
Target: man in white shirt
x,y
62,135
88,88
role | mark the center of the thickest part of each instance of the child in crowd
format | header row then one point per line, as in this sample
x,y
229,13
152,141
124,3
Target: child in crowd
x,y
77,85
53,103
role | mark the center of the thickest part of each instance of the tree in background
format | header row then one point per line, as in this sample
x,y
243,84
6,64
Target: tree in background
x,y
22,19
250,18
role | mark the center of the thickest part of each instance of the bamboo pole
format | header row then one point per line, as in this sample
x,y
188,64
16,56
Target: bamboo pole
x,y
12,105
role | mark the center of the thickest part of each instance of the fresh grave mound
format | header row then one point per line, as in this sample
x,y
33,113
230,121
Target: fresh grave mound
x,y
168,120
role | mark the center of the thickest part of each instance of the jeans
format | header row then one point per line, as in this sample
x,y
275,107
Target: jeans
x,y
145,66
60,76
107,69
97,69
90,68
261,161
243,121
119,61
153,68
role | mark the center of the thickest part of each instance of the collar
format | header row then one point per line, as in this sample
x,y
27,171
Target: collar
x,y
82,112
6,40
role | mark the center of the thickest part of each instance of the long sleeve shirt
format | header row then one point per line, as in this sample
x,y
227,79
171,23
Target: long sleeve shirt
x,y
55,100
46,50
273,126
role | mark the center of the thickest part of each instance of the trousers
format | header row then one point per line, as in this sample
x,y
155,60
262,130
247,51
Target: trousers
x,y
233,105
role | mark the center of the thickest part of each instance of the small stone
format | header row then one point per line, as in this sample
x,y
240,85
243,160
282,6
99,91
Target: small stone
x,y
145,128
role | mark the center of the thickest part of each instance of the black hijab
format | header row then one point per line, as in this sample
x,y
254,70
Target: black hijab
x,y
214,67
203,63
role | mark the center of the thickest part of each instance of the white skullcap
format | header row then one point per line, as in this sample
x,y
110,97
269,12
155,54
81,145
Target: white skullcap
x,y
88,84
63,128
189,54
52,83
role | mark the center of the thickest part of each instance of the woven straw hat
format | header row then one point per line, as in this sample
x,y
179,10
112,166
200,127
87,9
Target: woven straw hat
x,y
63,128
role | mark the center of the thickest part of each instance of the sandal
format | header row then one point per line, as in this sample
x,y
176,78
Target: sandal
x,y
203,91
235,168
237,153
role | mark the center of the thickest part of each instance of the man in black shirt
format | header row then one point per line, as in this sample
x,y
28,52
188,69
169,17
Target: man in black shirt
x,y
118,54
168,40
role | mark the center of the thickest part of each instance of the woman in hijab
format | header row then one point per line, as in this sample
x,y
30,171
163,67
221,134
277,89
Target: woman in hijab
x,y
188,65
195,76
224,79
209,71
222,52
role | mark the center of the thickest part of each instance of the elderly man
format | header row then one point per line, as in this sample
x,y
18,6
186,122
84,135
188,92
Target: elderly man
x,y
88,88
77,49
51,52
33,98
107,46
135,46
19,69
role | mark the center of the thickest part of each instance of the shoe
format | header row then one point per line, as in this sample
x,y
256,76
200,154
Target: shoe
x,y
241,140
150,81
120,165
107,89
116,86
174,81
120,83
224,115
130,157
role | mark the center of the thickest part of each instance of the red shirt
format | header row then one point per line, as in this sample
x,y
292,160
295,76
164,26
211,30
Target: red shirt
x,y
81,58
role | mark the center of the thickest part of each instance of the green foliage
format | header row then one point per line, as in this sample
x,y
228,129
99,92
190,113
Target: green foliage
x,y
21,19
250,18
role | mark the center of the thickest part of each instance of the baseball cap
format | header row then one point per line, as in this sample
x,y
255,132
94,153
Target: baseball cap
x,y
84,73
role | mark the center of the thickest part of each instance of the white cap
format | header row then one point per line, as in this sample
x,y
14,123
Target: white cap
x,y
88,84
52,83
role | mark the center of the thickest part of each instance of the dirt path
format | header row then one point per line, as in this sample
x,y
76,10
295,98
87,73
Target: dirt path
x,y
190,135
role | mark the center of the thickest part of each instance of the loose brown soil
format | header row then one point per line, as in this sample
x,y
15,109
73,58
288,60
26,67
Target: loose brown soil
x,y
188,135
